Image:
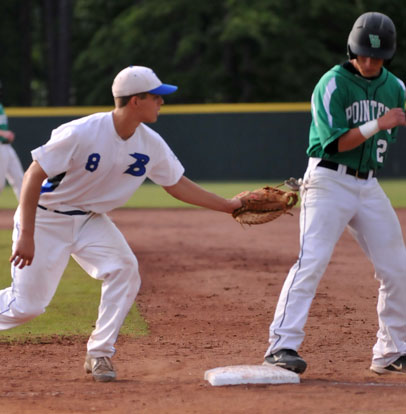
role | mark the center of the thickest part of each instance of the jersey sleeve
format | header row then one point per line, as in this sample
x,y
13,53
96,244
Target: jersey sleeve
x,y
168,169
56,155
402,93
3,123
329,118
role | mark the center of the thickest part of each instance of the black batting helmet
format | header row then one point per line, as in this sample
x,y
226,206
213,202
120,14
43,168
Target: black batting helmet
x,y
373,35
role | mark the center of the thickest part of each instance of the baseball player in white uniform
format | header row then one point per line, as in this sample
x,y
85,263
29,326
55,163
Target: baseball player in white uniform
x,y
10,165
87,168
357,108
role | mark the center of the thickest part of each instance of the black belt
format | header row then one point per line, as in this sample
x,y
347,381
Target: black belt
x,y
68,213
331,165
5,142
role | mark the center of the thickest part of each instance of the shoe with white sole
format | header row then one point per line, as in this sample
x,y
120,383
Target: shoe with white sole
x,y
397,367
288,359
100,367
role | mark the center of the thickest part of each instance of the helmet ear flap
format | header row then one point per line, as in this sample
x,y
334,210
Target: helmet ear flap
x,y
350,54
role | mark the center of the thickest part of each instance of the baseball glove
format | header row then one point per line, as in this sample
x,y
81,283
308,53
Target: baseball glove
x,y
263,205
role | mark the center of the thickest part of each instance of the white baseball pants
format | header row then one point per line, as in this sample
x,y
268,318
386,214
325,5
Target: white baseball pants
x,y
331,201
99,248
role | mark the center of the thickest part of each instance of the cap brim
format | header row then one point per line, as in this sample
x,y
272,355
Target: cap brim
x,y
164,89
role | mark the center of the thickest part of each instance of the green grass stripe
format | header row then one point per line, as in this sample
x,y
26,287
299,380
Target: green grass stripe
x,y
150,195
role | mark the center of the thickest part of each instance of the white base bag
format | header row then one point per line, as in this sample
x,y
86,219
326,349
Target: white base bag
x,y
250,374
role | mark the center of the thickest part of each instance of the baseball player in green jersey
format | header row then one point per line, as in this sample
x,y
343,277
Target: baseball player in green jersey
x,y
10,165
357,108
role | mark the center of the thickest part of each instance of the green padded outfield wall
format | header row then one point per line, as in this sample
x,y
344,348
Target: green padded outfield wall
x,y
214,141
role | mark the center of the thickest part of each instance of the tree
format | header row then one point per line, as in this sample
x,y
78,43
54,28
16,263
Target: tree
x,y
68,51
225,50
57,18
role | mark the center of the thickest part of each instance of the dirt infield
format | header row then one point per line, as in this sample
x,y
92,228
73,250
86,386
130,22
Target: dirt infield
x,y
209,291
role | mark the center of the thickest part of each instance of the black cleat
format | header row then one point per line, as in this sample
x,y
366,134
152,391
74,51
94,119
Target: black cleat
x,y
397,367
288,359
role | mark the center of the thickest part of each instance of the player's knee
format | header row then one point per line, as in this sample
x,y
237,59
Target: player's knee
x,y
133,281
129,269
125,277
25,312
316,259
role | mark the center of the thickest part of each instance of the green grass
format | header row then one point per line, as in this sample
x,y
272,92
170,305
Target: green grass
x,y
396,191
73,310
7,198
150,195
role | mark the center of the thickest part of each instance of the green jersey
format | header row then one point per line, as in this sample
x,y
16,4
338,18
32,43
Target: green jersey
x,y
3,123
343,100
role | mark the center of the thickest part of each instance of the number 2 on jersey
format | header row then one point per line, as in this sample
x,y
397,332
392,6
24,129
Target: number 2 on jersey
x,y
381,147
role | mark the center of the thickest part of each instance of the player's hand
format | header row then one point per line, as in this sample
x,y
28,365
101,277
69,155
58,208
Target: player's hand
x,y
234,204
9,135
393,118
23,253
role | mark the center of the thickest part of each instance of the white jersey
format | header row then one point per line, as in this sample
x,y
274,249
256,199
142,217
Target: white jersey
x,y
92,169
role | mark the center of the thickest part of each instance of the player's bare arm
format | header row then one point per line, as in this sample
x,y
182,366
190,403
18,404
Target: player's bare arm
x,y
23,253
190,192
354,137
